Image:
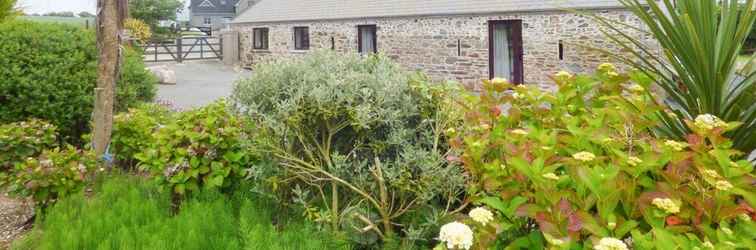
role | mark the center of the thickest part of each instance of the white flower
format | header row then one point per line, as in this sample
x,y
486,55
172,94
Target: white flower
x,y
516,95
584,156
519,132
609,243
456,235
709,122
481,215
551,176
677,146
723,185
666,204
563,74
634,161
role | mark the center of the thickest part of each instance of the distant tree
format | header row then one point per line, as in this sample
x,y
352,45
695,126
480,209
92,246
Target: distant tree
x,y
152,11
61,14
7,9
85,14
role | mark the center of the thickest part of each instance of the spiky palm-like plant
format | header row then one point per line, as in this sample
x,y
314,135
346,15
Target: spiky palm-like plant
x,y
700,41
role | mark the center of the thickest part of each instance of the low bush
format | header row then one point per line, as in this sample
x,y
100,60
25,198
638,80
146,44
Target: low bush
x,y
127,213
54,174
580,169
199,148
359,142
133,131
21,140
49,72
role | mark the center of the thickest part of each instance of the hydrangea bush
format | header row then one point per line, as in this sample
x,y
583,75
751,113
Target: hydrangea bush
x,y
133,131
204,148
52,175
579,168
21,140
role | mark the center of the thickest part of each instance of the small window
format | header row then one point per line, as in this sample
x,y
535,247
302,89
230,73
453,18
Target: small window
x,y
366,39
260,38
301,38
207,21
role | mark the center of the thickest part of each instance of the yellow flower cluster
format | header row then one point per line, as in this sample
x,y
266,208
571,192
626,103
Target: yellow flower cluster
x,y
607,67
677,146
666,204
634,161
609,243
584,156
636,88
709,122
551,176
519,132
723,185
563,74
481,215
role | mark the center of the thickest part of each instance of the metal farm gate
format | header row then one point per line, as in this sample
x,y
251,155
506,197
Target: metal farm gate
x,y
183,49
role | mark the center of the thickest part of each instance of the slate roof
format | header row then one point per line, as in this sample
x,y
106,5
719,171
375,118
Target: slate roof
x,y
212,6
306,10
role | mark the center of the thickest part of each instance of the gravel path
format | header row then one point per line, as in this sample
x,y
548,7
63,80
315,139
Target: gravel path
x,y
13,214
199,83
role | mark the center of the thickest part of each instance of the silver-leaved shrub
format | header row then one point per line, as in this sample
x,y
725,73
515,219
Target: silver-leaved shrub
x,y
358,140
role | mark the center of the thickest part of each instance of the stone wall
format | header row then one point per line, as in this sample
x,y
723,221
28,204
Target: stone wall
x,y
431,43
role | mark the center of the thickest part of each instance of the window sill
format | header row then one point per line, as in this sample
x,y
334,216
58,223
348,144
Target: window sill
x,y
299,51
261,50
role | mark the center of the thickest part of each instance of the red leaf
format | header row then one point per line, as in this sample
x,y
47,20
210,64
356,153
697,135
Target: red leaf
x,y
674,220
574,223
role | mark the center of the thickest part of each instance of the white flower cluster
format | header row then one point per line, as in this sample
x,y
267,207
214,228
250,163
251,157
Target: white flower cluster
x,y
456,236
609,243
709,122
481,215
666,204
584,156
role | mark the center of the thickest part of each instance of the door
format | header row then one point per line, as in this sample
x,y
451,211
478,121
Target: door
x,y
505,50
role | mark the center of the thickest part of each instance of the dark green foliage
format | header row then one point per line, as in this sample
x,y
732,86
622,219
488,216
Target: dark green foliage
x,y
49,72
152,11
21,140
199,148
133,131
125,213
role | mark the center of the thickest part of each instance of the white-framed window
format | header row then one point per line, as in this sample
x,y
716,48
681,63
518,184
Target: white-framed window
x,y
207,21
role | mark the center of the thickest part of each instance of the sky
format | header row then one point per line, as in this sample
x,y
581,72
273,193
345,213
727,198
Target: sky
x,y
45,6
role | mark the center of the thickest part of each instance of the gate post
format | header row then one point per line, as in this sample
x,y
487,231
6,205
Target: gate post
x,y
179,49
230,47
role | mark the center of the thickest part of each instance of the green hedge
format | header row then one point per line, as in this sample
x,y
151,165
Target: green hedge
x,y
49,72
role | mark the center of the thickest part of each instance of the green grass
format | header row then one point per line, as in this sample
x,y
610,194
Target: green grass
x,y
125,213
77,21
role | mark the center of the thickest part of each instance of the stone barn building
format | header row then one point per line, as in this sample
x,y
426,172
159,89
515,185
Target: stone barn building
x,y
463,40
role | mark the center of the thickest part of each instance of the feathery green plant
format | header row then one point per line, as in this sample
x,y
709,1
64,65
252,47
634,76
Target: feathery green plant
x,y
7,9
126,213
700,42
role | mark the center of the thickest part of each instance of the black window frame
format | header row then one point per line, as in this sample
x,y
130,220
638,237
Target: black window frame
x,y
264,38
302,30
374,29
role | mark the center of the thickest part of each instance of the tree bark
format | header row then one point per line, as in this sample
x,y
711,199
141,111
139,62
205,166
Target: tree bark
x,y
110,15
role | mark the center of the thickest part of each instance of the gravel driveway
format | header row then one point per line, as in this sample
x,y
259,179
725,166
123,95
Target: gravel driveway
x,y
199,83
13,214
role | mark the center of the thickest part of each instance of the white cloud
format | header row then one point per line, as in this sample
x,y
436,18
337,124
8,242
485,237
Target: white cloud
x,y
44,6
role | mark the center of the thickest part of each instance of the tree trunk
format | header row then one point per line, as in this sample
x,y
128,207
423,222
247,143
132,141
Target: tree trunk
x,y
110,15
